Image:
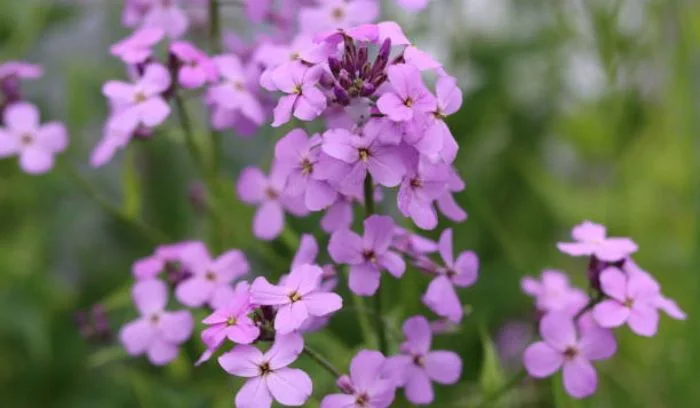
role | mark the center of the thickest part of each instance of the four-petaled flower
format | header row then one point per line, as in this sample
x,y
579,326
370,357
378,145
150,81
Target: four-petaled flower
x,y
367,386
303,99
591,240
408,97
268,375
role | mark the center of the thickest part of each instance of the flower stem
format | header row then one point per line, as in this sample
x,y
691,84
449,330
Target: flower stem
x,y
495,396
381,328
321,361
215,48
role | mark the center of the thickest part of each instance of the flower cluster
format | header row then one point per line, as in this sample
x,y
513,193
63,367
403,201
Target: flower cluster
x,y
576,328
21,132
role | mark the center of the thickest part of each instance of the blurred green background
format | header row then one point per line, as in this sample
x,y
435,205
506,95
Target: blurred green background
x,y
573,110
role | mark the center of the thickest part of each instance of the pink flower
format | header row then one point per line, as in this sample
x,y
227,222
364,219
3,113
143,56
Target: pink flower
x,y
367,255
417,365
591,241
553,293
449,100
230,321
157,332
303,99
35,144
141,103
419,189
20,69
441,296
299,157
196,68
366,387
254,187
211,278
364,154
268,375
298,298
563,349
167,15
137,47
632,301
233,93
335,14
409,95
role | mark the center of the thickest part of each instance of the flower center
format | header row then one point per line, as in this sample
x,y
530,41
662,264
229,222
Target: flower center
x,y
362,400
264,369
451,273
364,154
238,86
369,256
570,353
294,56
140,97
419,360
408,102
154,318
416,183
307,167
210,276
231,321
629,302
297,90
337,13
294,296
26,139
271,193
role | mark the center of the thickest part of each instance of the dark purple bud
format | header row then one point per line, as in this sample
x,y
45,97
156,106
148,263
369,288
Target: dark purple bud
x,y
143,133
365,71
398,60
335,65
341,96
378,80
344,79
326,81
350,48
362,58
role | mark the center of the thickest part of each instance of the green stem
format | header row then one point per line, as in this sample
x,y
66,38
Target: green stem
x,y
215,48
186,126
379,323
495,396
321,361
153,235
363,320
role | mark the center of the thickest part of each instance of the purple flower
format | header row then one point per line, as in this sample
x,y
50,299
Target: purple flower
x,y
367,255
137,47
231,322
441,296
417,365
364,154
142,103
299,157
563,349
632,301
157,332
256,188
449,100
591,241
233,93
446,202
303,99
335,14
268,375
196,68
19,69
339,215
409,94
35,144
412,244
168,16
553,293
211,279
366,387
419,189
298,298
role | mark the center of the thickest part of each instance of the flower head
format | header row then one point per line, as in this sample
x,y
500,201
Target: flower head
x,y
24,136
233,92
269,377
157,333
298,297
303,100
563,348
553,293
417,365
367,255
195,66
408,96
367,386
592,241
138,47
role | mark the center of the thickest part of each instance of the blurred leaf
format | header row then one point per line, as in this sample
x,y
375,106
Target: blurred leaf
x,y
131,185
492,377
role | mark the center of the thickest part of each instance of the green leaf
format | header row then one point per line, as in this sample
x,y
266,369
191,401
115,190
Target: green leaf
x,y
491,378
